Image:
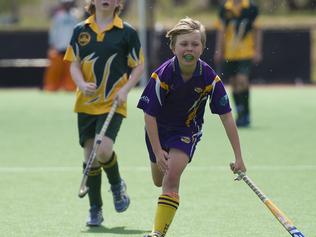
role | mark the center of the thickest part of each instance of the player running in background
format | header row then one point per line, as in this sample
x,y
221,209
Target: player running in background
x,y
174,103
101,50
57,74
238,46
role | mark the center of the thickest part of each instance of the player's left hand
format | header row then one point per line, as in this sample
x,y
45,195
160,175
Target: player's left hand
x,y
121,96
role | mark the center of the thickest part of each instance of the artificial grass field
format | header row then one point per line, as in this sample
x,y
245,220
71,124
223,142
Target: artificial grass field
x,y
40,170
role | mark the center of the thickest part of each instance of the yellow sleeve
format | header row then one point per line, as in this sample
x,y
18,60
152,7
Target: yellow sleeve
x,y
70,55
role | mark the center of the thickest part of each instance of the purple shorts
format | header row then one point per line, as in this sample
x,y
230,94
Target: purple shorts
x,y
181,140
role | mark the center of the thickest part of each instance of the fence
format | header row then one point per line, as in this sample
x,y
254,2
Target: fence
x,y
286,56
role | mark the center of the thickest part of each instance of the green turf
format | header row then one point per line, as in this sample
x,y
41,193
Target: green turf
x,y
40,170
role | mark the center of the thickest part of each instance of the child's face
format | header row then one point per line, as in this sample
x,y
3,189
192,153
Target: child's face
x,y
106,5
188,48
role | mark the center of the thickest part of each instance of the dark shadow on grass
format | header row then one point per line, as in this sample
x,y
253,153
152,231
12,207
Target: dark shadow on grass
x,y
115,230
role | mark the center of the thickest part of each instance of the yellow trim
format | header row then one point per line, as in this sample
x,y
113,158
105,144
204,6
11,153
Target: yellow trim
x,y
162,84
236,8
229,4
245,3
89,20
134,60
101,106
70,55
95,172
110,163
93,25
217,79
100,37
237,50
116,22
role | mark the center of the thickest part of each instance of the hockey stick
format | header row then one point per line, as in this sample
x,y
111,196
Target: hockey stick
x,y
279,215
83,190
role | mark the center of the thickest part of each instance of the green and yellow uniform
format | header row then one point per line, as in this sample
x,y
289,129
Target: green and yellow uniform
x,y
238,22
105,58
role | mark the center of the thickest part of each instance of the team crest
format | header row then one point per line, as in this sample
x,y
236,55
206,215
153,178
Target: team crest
x,y
84,38
198,89
223,101
186,140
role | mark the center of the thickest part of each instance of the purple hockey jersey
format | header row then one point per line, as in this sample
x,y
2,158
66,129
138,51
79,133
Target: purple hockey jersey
x,y
179,104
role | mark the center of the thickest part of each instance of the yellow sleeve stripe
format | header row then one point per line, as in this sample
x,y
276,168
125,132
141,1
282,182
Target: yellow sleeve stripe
x,y
70,55
162,84
133,60
208,88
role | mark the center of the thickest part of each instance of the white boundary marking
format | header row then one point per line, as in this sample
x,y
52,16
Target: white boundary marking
x,y
147,168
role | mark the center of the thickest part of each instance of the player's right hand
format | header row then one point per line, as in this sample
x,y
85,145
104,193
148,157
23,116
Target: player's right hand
x,y
162,160
236,166
88,89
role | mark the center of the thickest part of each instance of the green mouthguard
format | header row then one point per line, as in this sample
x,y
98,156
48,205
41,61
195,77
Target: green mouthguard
x,y
188,57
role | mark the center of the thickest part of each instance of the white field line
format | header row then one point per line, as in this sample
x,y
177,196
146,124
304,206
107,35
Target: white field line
x,y
147,168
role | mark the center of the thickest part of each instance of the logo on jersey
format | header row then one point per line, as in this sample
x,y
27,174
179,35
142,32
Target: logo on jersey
x,y
186,140
223,101
84,38
198,89
145,99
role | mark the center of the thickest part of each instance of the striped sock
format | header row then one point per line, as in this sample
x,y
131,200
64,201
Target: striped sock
x,y
166,210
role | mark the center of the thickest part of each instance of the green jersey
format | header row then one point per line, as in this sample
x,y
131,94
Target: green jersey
x,y
105,58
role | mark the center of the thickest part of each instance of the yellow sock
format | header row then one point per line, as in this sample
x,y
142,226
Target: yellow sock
x,y
166,209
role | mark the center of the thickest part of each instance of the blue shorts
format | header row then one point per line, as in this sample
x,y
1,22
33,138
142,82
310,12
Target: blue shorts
x,y
181,140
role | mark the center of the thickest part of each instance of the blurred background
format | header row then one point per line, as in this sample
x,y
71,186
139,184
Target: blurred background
x,y
289,36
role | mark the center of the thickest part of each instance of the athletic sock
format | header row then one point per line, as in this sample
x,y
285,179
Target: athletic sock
x,y
94,184
166,210
112,170
244,96
238,103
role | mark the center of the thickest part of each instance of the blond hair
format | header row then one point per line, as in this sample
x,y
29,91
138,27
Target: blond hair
x,y
90,8
186,26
